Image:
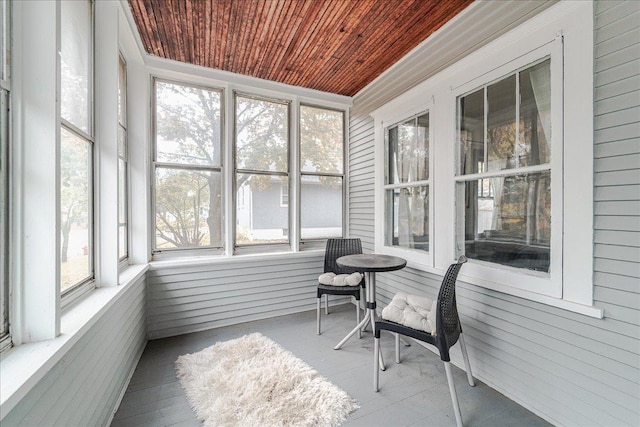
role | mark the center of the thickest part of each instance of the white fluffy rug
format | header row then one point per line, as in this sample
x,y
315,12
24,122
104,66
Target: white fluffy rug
x,y
252,381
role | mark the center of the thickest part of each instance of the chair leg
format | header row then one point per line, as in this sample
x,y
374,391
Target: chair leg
x,y
454,397
358,318
376,363
467,365
326,304
397,347
318,314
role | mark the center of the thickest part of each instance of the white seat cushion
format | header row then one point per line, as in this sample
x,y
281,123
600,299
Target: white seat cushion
x,y
333,279
412,311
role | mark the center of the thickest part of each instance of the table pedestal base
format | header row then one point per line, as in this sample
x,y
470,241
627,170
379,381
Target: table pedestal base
x,y
370,312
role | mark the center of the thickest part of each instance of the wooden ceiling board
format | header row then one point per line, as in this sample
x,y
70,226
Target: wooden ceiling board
x,y
337,46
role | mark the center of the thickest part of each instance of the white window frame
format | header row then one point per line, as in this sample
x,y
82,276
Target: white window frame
x,y
543,283
77,290
387,118
319,242
566,29
415,255
5,92
195,250
249,248
124,261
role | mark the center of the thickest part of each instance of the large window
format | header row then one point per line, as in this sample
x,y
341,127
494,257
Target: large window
x,y
322,172
262,170
407,184
504,140
187,167
76,144
511,168
5,340
123,164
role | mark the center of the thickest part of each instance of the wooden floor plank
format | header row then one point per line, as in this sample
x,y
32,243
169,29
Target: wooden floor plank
x,y
412,393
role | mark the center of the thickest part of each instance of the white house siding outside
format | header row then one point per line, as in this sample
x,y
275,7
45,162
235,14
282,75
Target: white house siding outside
x,y
568,368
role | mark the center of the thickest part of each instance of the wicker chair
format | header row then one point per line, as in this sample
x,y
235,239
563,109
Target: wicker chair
x,y
448,332
334,250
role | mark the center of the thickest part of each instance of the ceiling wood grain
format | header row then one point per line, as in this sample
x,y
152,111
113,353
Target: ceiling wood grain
x,y
336,46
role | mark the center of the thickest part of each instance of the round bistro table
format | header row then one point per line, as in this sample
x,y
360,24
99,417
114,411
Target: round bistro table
x,y
369,264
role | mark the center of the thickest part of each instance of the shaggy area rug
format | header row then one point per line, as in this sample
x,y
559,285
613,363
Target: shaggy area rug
x,y
252,381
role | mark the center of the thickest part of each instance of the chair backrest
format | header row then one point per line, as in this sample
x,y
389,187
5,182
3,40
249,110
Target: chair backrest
x,y
447,321
337,248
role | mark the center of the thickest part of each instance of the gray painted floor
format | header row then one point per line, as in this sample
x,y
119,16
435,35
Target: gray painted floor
x,y
413,393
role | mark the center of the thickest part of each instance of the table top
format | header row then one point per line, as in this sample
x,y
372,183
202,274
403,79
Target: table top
x,y
371,262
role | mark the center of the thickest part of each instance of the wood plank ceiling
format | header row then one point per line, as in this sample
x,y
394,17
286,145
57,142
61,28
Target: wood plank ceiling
x,y
336,46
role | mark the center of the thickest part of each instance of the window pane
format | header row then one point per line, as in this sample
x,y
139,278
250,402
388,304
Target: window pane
x,y
408,217
501,124
535,115
187,125
188,208
513,227
321,140
321,207
122,191
262,135
471,119
409,151
122,95
260,218
122,242
75,209
4,211
75,63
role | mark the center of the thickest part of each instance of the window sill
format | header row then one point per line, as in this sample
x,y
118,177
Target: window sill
x,y
25,365
587,310
226,259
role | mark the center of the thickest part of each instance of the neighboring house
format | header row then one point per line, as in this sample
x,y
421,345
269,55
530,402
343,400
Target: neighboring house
x,y
265,210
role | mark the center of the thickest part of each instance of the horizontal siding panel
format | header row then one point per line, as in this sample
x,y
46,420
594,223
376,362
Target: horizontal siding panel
x,y
626,177
622,223
617,252
630,161
82,389
620,238
617,88
629,23
616,44
617,118
612,15
615,281
528,382
573,336
623,208
237,315
221,304
614,296
617,65
619,192
172,296
616,103
618,133
557,359
624,268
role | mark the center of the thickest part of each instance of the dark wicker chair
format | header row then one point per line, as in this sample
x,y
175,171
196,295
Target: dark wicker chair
x,y
334,250
448,332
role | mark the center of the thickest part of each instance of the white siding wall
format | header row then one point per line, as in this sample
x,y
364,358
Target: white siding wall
x,y
568,368
193,298
84,388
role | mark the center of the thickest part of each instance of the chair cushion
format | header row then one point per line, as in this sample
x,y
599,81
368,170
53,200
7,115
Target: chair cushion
x,y
412,311
333,279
